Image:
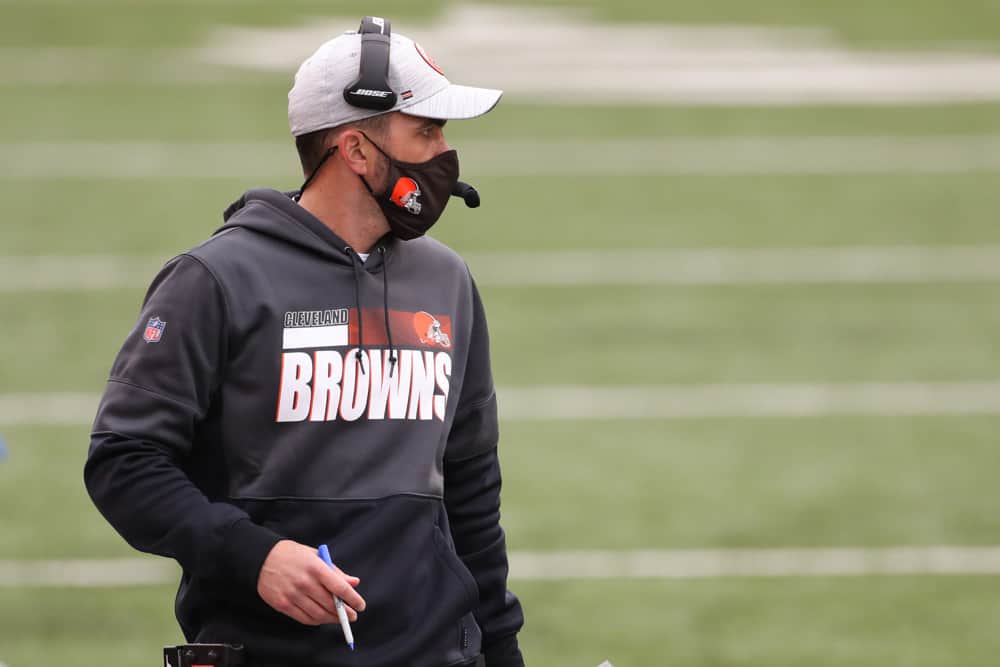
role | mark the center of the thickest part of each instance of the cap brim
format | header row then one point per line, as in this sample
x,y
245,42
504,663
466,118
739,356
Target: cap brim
x,y
455,102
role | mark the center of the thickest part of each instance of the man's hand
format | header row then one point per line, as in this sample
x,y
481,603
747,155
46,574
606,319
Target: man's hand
x,y
297,583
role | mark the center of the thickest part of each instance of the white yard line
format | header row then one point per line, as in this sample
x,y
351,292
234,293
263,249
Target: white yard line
x,y
75,273
52,409
116,572
589,268
750,400
711,563
558,565
548,55
588,403
275,162
753,266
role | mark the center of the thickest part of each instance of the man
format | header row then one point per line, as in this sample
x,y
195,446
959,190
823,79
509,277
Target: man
x,y
317,372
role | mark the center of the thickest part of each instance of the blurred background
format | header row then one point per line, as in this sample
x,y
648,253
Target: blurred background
x,y
741,262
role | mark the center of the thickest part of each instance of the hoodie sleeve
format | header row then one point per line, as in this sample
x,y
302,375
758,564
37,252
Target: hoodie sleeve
x,y
160,388
472,498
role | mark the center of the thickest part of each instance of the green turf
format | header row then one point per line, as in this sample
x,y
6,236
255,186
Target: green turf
x,y
73,527
865,622
124,627
654,484
706,483
750,483
157,23
241,110
750,211
162,22
852,622
596,336
660,335
654,211
914,23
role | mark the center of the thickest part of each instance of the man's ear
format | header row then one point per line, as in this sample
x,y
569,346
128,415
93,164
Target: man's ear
x,y
355,151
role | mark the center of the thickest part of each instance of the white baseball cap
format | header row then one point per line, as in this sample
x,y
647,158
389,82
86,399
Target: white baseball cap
x,y
316,100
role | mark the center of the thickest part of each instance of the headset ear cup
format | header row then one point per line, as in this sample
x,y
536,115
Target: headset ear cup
x,y
371,89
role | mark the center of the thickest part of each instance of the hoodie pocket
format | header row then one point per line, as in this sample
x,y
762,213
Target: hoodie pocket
x,y
446,554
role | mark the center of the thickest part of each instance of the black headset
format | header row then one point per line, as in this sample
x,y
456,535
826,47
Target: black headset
x,y
371,89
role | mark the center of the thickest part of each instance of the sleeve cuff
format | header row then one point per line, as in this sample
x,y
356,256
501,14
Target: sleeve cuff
x,y
504,653
246,546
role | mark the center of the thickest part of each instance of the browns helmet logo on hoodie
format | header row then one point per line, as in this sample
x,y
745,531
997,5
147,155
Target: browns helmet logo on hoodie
x,y
429,330
405,194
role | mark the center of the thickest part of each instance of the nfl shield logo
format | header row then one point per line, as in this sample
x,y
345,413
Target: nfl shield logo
x,y
154,330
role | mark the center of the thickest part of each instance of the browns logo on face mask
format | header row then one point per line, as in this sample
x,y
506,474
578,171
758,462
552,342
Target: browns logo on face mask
x,y
406,195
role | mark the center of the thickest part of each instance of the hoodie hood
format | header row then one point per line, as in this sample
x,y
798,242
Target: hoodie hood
x,y
277,215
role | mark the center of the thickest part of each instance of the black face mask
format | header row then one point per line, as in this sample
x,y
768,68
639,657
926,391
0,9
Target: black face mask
x,y
416,193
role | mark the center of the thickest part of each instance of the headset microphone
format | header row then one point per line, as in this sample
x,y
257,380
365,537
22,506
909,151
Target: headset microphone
x,y
466,192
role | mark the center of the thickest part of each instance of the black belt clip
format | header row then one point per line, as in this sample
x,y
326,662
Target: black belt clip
x,y
203,655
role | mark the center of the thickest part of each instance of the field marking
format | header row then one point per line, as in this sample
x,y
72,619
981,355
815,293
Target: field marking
x,y
50,409
50,273
546,55
268,161
717,563
750,400
591,268
111,573
721,266
560,565
590,403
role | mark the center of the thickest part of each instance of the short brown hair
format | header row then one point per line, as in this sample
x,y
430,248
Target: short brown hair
x,y
313,146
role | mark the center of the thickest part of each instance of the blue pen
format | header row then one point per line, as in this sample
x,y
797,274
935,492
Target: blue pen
x,y
324,553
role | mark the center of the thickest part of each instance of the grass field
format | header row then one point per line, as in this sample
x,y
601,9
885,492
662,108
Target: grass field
x,y
613,484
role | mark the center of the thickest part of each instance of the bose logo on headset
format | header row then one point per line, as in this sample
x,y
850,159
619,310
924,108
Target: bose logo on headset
x,y
371,93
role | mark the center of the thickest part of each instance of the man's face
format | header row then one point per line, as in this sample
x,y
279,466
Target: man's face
x,y
415,139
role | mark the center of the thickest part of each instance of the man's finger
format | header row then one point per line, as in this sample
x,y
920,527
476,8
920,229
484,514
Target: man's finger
x,y
350,597
297,613
314,613
352,580
318,593
322,597
342,588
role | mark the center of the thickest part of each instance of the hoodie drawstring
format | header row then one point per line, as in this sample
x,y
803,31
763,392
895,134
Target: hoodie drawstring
x,y
385,307
356,263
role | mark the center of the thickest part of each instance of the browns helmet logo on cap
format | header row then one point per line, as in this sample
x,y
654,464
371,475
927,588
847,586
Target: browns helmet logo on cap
x,y
405,195
428,59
